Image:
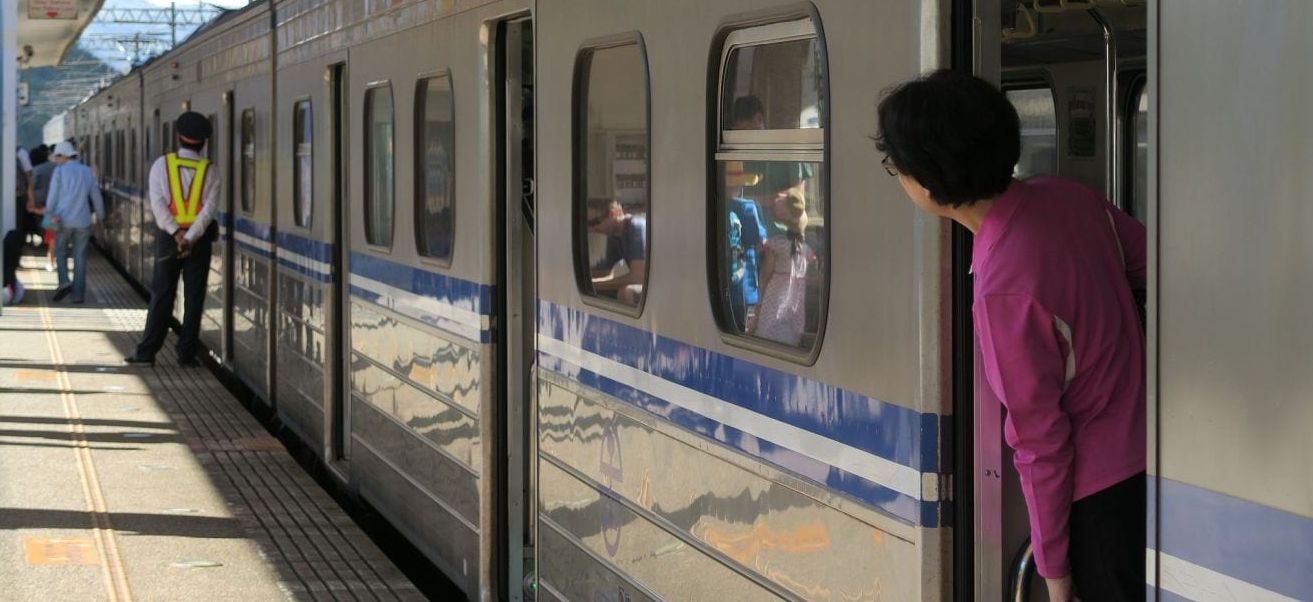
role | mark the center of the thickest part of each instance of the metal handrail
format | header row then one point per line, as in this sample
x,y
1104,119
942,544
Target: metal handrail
x,y
1023,569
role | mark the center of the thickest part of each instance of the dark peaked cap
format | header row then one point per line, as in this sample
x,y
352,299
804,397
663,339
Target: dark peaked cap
x,y
193,125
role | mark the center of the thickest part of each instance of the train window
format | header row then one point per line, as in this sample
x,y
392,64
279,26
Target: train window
x,y
769,218
107,157
612,166
1140,169
380,178
133,176
435,150
120,157
1039,131
302,163
248,160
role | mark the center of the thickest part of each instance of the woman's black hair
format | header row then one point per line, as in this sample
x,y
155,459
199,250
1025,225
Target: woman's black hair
x,y
954,133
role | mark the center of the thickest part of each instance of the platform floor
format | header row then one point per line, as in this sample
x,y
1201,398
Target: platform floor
x,y
131,483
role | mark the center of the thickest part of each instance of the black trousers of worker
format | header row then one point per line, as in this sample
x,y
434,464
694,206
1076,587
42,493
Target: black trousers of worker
x,y
1107,543
194,269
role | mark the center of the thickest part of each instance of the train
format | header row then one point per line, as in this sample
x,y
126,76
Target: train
x,y
486,258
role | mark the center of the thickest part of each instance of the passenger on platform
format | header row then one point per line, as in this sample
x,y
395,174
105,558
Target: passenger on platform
x,y
38,157
626,240
747,232
1059,337
22,167
184,196
38,189
13,248
74,195
782,315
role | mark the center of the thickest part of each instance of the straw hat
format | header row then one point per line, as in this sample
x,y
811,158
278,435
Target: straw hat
x,y
734,175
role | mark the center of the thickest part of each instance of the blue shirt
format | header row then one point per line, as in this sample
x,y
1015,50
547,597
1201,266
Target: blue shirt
x,y
70,188
745,237
630,245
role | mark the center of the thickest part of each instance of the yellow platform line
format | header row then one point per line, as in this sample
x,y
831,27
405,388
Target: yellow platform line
x,y
116,580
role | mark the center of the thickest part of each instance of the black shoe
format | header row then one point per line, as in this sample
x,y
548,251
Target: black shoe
x,y
190,362
79,301
62,292
134,360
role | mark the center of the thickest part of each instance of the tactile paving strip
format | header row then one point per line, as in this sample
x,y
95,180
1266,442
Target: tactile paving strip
x,y
315,547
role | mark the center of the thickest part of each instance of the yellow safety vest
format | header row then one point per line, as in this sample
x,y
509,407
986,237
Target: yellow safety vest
x,y
185,209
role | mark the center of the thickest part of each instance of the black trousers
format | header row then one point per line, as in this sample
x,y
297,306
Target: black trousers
x,y
13,254
194,269
1107,543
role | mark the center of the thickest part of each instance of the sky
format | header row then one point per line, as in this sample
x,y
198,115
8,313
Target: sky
x,y
119,59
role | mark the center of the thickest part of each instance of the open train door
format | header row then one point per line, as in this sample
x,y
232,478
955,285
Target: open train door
x,y
1075,70
510,459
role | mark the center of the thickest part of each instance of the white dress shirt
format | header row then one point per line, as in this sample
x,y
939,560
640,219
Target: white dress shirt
x,y
161,199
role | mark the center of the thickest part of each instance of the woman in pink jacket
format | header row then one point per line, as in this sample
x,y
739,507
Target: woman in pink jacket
x,y
1056,320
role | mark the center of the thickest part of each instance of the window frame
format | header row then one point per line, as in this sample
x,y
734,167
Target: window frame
x,y
366,105
579,166
418,124
134,178
797,145
245,205
1138,85
297,103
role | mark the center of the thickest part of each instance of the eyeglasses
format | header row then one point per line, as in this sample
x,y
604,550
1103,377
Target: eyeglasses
x,y
888,165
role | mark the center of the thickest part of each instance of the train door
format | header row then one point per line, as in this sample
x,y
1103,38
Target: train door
x,y
338,376
515,309
1069,69
229,171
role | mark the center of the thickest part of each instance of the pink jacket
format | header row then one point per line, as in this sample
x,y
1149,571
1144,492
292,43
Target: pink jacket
x,y
1062,346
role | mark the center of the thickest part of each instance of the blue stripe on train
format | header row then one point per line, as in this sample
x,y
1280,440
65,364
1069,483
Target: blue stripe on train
x,y
1257,544
897,504
893,432
305,247
295,245
253,228
450,327
464,294
256,230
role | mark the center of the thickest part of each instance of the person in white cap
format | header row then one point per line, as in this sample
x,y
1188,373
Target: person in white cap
x,y
69,213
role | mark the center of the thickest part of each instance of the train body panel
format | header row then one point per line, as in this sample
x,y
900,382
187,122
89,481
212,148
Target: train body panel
x,y
408,274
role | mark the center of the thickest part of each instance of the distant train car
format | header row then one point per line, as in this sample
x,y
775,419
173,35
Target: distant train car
x,y
488,258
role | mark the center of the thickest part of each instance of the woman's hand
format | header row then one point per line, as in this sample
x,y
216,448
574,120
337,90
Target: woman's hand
x,y
1062,589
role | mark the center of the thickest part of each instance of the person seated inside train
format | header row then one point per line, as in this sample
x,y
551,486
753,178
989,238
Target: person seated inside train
x,y
1059,338
746,234
626,241
776,179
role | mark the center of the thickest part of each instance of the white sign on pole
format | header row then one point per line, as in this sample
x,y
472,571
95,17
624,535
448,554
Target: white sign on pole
x,y
52,9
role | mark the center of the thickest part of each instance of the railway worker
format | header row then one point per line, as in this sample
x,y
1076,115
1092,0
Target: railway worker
x,y
73,196
626,240
184,194
1058,332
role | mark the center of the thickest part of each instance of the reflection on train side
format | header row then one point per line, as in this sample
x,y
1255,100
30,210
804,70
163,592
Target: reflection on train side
x,y
626,487
434,394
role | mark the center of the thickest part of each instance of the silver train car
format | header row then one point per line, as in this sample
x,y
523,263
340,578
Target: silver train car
x,y
486,258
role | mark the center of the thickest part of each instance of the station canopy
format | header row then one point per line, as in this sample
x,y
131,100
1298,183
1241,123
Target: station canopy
x,y
47,29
